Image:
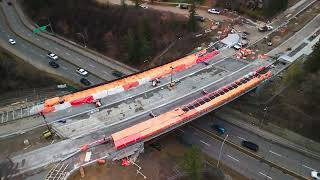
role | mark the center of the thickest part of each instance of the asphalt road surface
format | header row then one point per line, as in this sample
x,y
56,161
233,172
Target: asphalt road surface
x,y
47,45
244,164
283,156
39,56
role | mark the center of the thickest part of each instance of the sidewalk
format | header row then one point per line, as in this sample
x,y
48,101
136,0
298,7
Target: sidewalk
x,y
107,61
238,119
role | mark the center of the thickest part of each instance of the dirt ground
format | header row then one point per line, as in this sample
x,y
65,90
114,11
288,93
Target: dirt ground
x,y
11,145
155,165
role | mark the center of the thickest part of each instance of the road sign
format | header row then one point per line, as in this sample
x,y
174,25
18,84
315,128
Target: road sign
x,y
38,30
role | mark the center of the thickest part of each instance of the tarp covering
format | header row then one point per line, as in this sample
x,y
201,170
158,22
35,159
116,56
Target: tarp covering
x,y
207,57
85,100
231,40
169,119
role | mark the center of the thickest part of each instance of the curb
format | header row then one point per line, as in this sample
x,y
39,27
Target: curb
x,y
121,67
251,154
268,136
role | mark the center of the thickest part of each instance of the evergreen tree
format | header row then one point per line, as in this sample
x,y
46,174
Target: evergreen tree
x,y
193,163
192,23
136,3
123,3
312,64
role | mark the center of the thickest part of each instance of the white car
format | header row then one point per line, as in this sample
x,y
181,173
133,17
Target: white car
x,y
11,41
213,11
315,175
237,46
143,6
82,72
52,56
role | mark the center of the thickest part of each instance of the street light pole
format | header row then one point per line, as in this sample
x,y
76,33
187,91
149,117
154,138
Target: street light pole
x,y
221,150
171,82
84,42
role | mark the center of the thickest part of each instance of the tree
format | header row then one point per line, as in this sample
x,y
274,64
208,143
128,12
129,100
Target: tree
x,y
123,3
136,3
192,23
272,7
193,163
312,64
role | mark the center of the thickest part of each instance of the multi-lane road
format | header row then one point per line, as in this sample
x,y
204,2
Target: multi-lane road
x,y
135,106
276,153
36,47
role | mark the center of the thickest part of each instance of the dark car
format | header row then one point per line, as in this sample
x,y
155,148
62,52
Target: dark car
x,y
54,64
183,6
220,129
10,3
85,81
117,74
250,145
199,18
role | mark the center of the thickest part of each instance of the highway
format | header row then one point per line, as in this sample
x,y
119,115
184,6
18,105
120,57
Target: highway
x,y
125,109
38,56
280,155
244,164
71,57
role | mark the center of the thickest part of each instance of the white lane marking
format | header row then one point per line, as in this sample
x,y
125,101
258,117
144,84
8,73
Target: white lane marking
x,y
92,65
56,48
42,55
265,175
3,31
23,45
64,68
308,167
275,153
205,143
68,54
241,138
7,35
47,43
29,34
37,39
105,72
78,59
233,158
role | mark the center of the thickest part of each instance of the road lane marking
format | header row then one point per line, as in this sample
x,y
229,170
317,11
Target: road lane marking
x,y
105,72
23,45
68,54
37,39
42,55
181,130
78,59
241,138
92,65
29,34
56,48
47,44
64,68
205,143
275,153
308,167
233,158
265,175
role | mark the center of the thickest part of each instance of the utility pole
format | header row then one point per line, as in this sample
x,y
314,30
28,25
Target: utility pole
x,y
171,82
221,150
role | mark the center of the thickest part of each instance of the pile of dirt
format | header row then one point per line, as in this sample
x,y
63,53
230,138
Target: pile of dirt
x,y
128,34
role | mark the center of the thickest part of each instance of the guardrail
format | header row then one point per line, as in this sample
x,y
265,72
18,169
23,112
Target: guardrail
x,y
251,154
